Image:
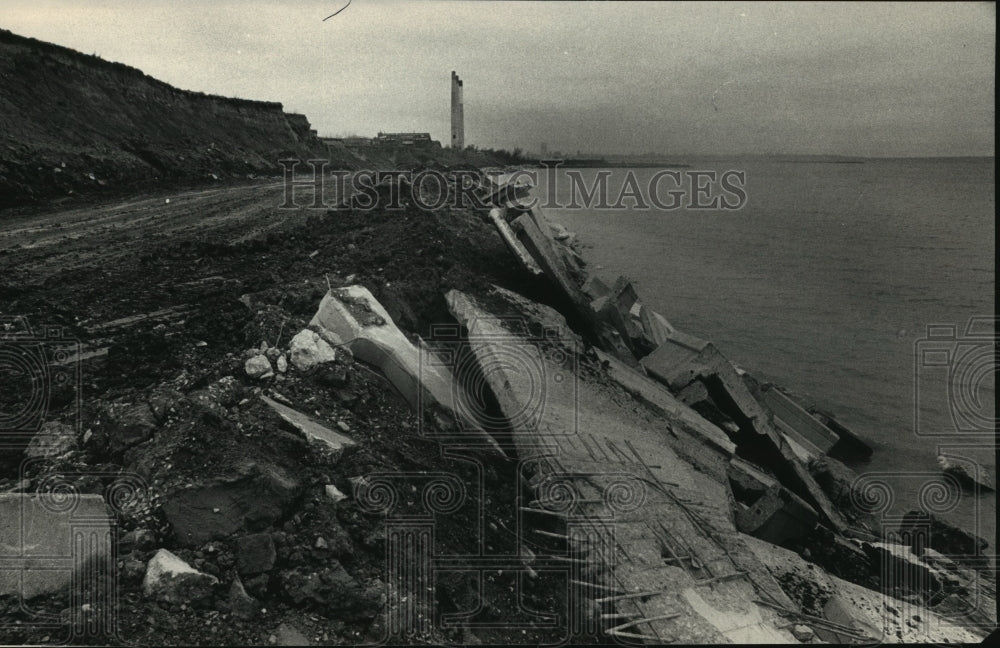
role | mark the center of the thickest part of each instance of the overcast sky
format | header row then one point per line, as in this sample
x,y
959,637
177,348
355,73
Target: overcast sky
x,y
852,79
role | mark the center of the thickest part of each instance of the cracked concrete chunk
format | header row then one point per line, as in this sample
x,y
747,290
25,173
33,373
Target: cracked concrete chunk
x,y
46,545
797,424
309,427
354,315
777,516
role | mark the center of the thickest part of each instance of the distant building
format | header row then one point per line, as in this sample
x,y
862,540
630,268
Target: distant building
x,y
347,141
545,149
408,139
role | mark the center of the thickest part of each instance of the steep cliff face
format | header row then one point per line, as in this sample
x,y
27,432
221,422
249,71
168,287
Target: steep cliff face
x,y
73,123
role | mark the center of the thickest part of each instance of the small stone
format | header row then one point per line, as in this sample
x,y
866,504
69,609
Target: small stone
x,y
282,363
803,633
321,543
242,604
170,579
308,350
259,367
334,493
288,635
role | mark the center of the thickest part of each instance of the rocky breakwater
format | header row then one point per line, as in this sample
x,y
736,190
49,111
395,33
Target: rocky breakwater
x,y
781,482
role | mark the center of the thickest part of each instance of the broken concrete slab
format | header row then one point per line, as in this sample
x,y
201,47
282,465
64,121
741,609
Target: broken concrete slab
x,y
796,423
697,397
777,516
679,516
684,358
170,579
542,250
498,217
48,543
310,428
654,395
355,316
748,482
594,288
655,326
849,445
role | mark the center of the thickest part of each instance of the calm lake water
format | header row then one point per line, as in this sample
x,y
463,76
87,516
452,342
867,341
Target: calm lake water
x,y
825,282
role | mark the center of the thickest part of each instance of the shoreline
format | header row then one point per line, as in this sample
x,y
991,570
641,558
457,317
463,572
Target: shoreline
x,y
235,290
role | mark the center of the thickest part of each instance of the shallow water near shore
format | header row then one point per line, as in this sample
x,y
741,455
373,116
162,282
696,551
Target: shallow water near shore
x,y
825,282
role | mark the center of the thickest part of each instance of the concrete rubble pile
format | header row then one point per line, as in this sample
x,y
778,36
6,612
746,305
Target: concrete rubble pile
x,y
705,411
685,501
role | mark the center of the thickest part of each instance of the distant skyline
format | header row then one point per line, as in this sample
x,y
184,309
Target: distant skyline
x,y
865,79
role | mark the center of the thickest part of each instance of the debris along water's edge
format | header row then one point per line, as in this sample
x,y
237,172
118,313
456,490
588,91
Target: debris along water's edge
x,y
629,505
642,498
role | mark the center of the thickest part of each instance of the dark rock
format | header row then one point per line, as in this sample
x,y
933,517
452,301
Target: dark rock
x,y
333,590
837,482
920,530
132,572
241,604
258,585
161,401
124,425
255,554
136,540
331,375
252,500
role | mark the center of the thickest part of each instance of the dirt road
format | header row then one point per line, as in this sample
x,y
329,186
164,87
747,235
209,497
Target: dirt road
x,y
43,243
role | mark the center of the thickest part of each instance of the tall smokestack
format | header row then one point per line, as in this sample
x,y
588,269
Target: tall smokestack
x,y
457,113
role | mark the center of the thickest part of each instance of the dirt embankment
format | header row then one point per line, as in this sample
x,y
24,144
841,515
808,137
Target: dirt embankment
x,y
70,122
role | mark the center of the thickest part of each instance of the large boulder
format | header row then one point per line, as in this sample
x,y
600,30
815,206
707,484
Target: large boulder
x,y
171,580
